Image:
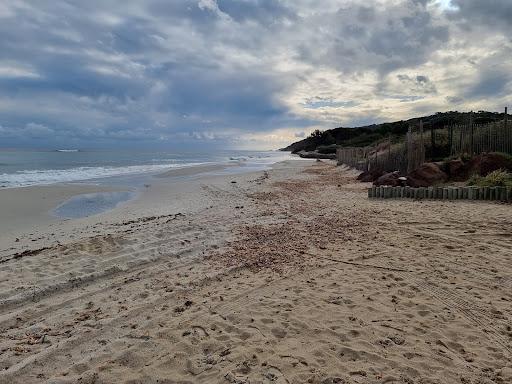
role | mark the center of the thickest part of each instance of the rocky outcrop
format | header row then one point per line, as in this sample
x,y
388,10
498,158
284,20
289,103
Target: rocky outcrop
x,y
454,168
426,175
481,165
488,162
316,155
390,179
370,176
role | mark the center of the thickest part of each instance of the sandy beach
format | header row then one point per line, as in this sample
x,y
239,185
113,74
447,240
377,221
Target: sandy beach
x,y
290,275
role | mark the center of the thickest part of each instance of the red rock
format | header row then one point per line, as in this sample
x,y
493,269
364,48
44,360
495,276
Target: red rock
x,y
426,175
389,179
489,162
370,176
454,168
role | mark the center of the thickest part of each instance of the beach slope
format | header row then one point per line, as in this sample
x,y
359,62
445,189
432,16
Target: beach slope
x,y
284,276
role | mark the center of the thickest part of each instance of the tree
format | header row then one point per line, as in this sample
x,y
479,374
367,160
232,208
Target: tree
x,y
316,134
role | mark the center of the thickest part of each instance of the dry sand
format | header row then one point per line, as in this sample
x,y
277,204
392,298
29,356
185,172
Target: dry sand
x,y
285,276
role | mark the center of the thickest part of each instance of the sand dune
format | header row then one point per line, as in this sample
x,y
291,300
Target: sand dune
x,y
285,276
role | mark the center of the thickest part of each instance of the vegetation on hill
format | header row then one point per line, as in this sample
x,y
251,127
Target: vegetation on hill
x,y
327,141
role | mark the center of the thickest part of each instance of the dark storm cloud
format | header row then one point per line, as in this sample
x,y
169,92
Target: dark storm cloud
x,y
491,82
160,70
384,38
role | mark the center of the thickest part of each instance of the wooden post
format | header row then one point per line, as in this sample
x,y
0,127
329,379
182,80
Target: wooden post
x,y
422,144
389,154
471,127
450,139
432,140
505,132
409,150
506,117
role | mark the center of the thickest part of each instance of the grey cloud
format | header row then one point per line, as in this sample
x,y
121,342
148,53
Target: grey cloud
x,y
418,84
263,11
392,37
127,70
494,76
454,99
493,14
490,83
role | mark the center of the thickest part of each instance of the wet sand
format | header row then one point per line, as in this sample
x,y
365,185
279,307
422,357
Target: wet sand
x,y
285,276
28,210
198,169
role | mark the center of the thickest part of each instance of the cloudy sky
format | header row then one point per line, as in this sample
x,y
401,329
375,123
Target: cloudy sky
x,y
241,73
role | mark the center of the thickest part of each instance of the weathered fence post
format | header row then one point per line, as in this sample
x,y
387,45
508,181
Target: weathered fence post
x,y
422,145
450,139
409,150
389,150
505,132
472,129
506,118
432,141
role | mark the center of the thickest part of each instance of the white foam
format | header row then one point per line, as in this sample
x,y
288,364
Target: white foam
x,y
52,176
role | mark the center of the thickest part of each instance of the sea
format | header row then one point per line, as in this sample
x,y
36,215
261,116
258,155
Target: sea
x,y
22,168
127,170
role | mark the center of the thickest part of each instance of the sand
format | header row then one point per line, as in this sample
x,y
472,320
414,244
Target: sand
x,y
286,276
24,210
198,169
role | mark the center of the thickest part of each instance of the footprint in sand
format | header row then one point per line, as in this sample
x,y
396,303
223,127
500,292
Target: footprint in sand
x,y
278,333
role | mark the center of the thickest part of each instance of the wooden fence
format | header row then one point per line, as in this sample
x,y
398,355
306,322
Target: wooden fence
x,y
470,139
387,156
455,140
473,139
503,194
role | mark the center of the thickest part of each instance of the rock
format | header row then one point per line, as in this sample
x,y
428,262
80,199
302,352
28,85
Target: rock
x,y
316,155
389,179
487,163
454,168
370,176
426,175
481,165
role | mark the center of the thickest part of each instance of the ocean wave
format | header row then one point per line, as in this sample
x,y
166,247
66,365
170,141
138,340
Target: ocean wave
x,y
52,176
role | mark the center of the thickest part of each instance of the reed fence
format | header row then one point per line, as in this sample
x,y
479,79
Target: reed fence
x,y
433,143
473,139
388,156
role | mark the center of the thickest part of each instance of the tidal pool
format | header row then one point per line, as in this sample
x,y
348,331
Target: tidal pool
x,y
91,204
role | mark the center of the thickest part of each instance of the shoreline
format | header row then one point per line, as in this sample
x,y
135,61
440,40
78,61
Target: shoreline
x,y
195,170
28,212
25,210
289,275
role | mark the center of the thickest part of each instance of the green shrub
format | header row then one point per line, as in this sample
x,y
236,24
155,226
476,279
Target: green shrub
x,y
363,140
498,178
327,148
